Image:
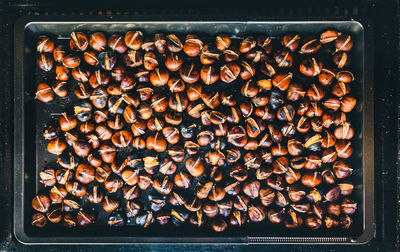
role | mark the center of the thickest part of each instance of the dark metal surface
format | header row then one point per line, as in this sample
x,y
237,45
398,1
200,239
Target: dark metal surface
x,y
382,15
31,116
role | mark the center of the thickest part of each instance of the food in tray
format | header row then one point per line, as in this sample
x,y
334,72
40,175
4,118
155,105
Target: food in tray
x,y
214,131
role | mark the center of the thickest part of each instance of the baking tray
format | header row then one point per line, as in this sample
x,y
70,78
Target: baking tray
x,y
30,117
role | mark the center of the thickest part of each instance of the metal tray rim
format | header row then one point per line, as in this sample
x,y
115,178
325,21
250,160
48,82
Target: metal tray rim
x,y
21,236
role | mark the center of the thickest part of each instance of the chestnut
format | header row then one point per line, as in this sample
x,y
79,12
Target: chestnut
x,y
95,194
247,70
209,74
173,62
247,108
238,172
60,88
84,219
133,58
156,142
56,146
257,213
45,62
78,41
189,73
343,43
176,85
211,99
84,174
122,138
264,42
159,102
229,72
195,166
71,61
282,81
347,104
91,57
163,185
178,102
222,42
269,71
341,59
310,67
230,54
83,111
107,60
311,179
310,45
63,176
326,76
343,149
41,203
44,45
148,45
234,114
237,136
313,222
332,194
340,89
59,53
218,225
107,152
209,54
283,58
294,147
133,39
346,187
159,77
174,44
348,206
150,61
160,42
171,134
182,180
44,93
286,113
333,209
252,188
54,214
173,117
145,219
39,220
48,177
260,100
249,89
328,36
345,76
110,204
291,41
247,44
217,193
194,91
62,73
241,202
75,189
193,45
194,109
197,218
179,216
116,43
98,41
155,123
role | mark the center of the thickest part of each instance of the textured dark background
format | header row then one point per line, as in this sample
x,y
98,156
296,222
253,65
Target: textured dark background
x,y
383,17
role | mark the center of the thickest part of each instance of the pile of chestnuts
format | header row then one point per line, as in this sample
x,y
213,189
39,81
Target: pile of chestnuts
x,y
217,131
